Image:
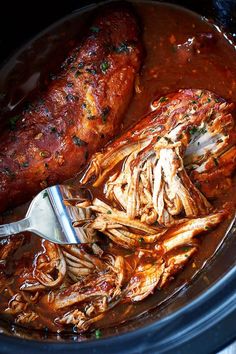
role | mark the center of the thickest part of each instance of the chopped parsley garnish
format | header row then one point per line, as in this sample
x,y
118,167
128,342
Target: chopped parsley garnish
x,y
185,249
216,162
123,48
80,65
208,100
197,184
73,68
98,333
45,194
207,228
77,141
53,129
95,29
141,240
193,130
91,71
108,211
199,96
104,66
163,99
8,172
194,102
105,113
25,164
78,73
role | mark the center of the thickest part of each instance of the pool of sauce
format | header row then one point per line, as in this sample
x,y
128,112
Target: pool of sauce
x,y
174,59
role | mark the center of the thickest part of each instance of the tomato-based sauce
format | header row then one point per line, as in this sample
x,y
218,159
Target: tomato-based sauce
x,y
182,50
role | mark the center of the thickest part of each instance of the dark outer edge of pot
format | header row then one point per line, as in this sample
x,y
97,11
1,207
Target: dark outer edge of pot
x,y
208,322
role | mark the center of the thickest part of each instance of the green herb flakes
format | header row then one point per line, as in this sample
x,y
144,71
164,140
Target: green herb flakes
x,y
73,68
104,66
80,65
98,333
8,172
25,164
45,194
122,48
216,162
185,249
77,141
53,129
91,71
193,130
94,29
78,73
201,94
163,99
105,113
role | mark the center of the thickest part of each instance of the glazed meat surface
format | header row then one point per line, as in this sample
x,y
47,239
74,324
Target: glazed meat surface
x,y
80,111
147,219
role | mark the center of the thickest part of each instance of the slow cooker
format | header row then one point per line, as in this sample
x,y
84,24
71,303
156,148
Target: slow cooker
x,y
199,318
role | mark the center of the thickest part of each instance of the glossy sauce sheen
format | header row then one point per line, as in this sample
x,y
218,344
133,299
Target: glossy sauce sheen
x,y
171,63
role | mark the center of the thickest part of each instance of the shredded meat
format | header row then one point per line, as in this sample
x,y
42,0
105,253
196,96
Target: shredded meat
x,y
154,208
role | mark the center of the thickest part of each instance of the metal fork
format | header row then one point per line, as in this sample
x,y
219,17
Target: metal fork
x,y
51,215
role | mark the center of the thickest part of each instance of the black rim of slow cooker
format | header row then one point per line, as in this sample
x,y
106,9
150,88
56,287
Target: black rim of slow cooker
x,y
192,328
213,311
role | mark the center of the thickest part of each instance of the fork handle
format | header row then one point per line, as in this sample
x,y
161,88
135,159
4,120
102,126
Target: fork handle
x,y
15,227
